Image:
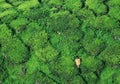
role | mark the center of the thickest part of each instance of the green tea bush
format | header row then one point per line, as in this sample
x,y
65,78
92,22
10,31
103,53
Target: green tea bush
x,y
8,15
90,63
114,12
95,47
111,54
19,24
14,50
108,75
97,6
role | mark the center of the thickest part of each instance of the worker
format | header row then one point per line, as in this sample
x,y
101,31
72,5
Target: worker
x,y
77,62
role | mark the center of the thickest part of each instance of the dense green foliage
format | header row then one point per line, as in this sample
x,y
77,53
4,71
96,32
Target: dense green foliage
x,y
40,39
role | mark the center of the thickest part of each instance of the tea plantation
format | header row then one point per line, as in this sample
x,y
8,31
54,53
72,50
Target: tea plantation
x,y
40,40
